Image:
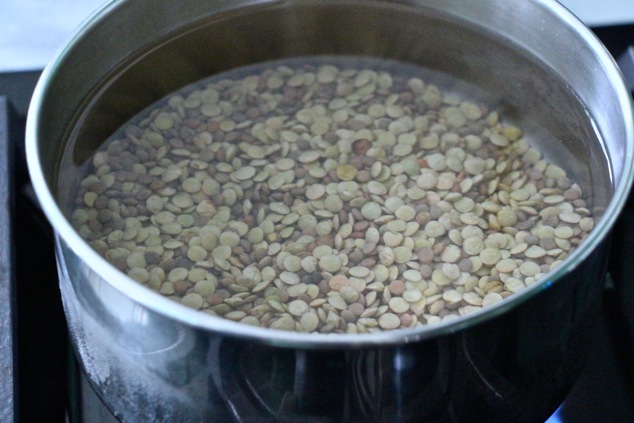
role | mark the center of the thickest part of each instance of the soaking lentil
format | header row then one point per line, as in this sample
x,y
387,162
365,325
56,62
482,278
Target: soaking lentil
x,y
331,198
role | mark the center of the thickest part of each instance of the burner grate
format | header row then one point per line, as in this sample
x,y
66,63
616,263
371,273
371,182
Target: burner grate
x,y
8,397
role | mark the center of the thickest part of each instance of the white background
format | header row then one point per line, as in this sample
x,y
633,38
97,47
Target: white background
x,y
32,30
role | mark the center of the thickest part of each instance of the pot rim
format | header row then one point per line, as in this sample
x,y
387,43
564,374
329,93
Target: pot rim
x,y
199,320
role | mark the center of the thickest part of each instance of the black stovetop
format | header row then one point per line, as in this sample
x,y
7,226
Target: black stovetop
x,y
40,381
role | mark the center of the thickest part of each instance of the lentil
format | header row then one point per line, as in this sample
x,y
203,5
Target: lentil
x,y
347,201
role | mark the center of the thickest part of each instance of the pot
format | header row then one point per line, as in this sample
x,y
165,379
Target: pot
x,y
151,359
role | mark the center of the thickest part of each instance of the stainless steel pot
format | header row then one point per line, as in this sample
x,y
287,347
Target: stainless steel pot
x,y
154,360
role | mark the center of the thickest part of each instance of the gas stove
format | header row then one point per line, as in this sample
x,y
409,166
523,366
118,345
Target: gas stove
x,y
40,380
